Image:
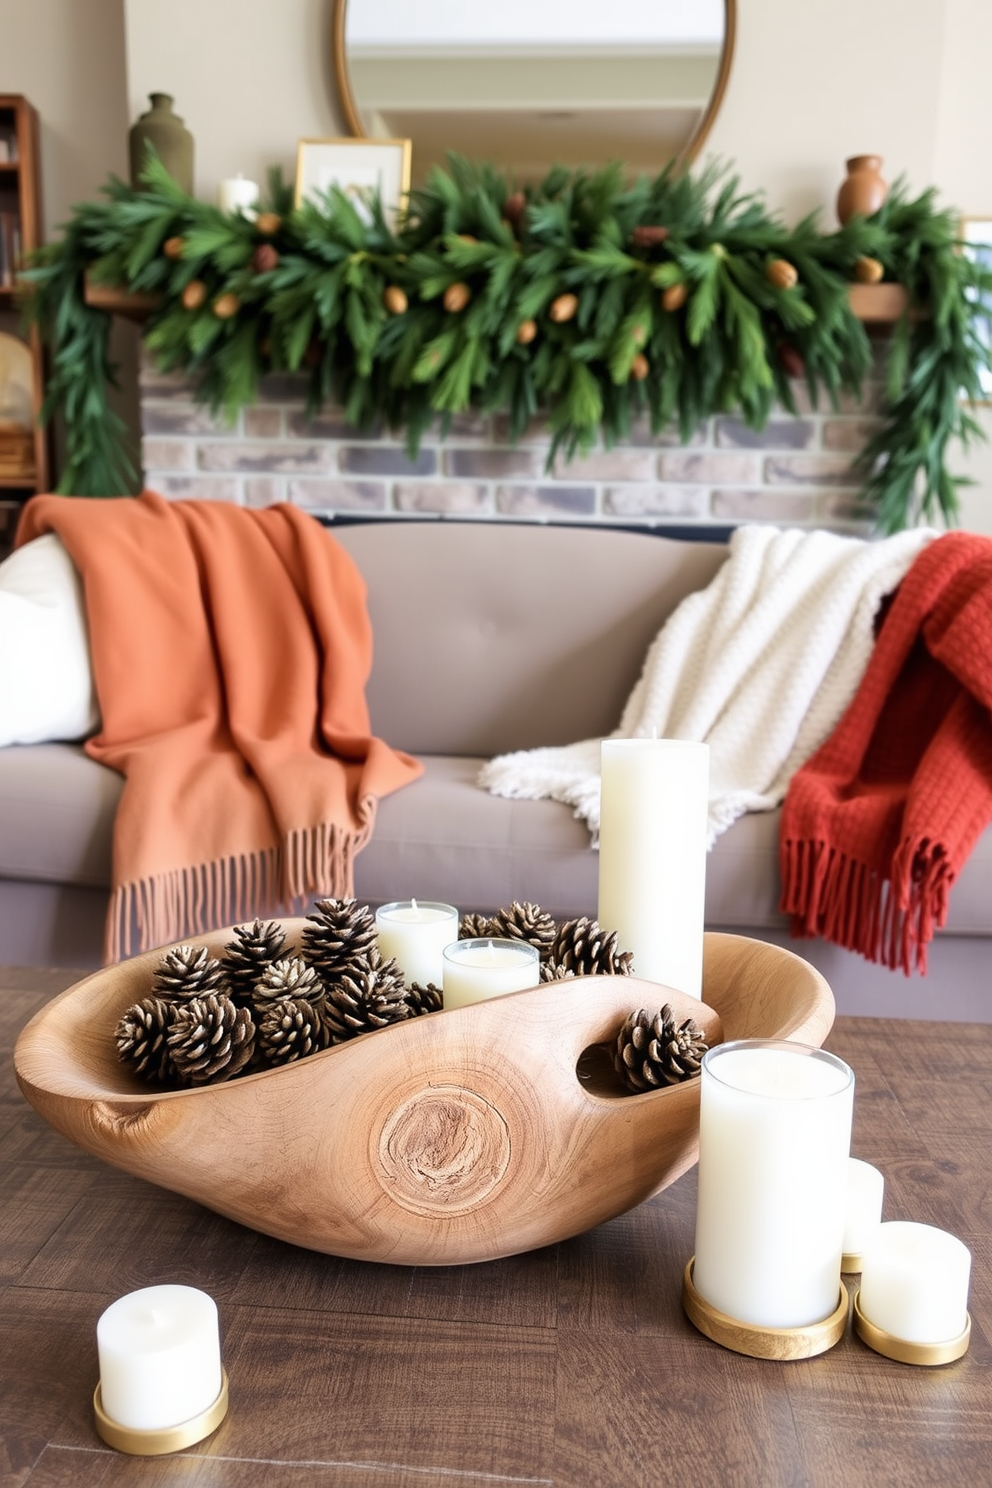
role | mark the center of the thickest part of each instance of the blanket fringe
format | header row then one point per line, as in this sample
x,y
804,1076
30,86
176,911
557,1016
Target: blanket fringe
x,y
313,863
889,920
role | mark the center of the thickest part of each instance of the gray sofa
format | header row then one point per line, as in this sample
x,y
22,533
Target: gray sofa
x,y
488,637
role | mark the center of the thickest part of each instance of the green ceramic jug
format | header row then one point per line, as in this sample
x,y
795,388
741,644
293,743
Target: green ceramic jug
x,y
171,140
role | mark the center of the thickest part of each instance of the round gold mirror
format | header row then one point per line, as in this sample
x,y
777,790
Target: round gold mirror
x,y
636,81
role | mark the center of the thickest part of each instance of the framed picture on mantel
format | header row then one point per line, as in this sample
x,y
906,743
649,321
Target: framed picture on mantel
x,y
360,168
976,233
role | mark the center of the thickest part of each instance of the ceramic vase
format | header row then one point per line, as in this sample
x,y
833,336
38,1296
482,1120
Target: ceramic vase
x,y
170,139
863,190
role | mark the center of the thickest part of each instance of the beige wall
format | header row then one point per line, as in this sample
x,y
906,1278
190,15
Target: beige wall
x,y
812,84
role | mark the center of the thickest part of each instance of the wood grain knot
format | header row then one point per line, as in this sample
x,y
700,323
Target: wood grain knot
x,y
443,1151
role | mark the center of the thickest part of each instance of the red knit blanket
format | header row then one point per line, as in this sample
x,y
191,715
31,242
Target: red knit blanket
x,y
880,820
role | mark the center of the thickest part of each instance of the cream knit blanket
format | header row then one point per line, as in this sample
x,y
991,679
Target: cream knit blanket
x,y
760,665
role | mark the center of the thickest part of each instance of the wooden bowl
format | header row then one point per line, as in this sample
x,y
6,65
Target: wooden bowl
x,y
456,1137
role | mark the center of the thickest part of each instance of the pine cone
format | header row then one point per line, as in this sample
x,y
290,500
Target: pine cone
x,y
427,999
584,947
253,948
339,932
475,927
188,971
652,1052
211,1039
527,922
288,1030
288,980
369,994
141,1037
550,972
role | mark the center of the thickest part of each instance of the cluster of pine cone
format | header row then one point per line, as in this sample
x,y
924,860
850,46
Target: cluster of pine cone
x,y
261,1006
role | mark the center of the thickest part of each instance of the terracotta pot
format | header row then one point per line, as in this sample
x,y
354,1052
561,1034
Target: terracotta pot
x,y
863,190
171,140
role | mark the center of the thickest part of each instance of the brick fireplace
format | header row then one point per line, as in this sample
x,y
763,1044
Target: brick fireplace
x,y
795,472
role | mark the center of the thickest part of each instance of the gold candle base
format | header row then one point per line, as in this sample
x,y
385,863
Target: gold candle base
x,y
851,1263
155,1443
901,1349
760,1342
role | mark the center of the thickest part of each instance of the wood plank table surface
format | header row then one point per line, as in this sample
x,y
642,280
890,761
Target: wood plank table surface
x,y
573,1365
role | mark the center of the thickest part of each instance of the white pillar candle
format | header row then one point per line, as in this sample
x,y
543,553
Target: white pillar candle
x,y
237,194
863,1209
475,970
774,1140
159,1354
914,1282
415,935
652,855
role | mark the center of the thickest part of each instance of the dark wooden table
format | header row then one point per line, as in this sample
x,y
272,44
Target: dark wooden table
x,y
573,1365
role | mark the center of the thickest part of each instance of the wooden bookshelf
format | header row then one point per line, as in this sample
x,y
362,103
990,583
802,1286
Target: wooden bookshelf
x,y
24,444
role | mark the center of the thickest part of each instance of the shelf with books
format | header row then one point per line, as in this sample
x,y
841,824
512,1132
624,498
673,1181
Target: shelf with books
x,y
24,445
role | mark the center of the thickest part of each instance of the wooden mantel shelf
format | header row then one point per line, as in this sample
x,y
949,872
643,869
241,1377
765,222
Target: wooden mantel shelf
x,y
872,303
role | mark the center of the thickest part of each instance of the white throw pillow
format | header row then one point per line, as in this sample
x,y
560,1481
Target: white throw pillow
x,y
46,683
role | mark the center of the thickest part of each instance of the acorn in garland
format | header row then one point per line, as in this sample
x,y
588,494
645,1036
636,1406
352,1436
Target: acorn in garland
x,y
173,247
790,360
526,331
674,296
781,274
268,223
563,308
649,235
265,258
226,306
395,299
513,210
194,294
640,367
868,270
456,297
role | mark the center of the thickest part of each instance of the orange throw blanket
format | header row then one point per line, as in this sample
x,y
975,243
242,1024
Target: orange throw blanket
x,y
230,652
880,820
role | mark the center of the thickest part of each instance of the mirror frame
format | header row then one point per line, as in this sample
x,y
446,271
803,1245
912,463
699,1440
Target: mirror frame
x,y
683,159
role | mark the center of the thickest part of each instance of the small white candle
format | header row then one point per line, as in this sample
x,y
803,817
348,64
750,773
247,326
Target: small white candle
x,y
863,1211
159,1354
415,935
475,970
914,1282
774,1140
652,855
237,194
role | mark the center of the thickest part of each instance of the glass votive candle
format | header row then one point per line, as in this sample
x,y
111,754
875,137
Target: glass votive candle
x,y
475,970
863,1213
774,1142
913,1301
162,1386
414,932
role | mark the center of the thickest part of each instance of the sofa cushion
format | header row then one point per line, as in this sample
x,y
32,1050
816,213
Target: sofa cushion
x,y
46,684
57,808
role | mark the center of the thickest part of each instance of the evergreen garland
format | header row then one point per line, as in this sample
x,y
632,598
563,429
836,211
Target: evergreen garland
x,y
587,298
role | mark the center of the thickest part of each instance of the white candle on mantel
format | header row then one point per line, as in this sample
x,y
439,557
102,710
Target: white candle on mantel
x,y
652,855
475,970
863,1212
774,1141
159,1354
237,194
415,935
914,1282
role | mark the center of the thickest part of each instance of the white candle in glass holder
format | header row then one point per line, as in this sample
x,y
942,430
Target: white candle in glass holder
x,y
863,1209
914,1282
237,194
774,1141
475,970
652,855
415,934
159,1352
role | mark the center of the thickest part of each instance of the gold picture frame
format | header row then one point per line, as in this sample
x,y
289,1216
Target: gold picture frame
x,y
357,167
976,235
